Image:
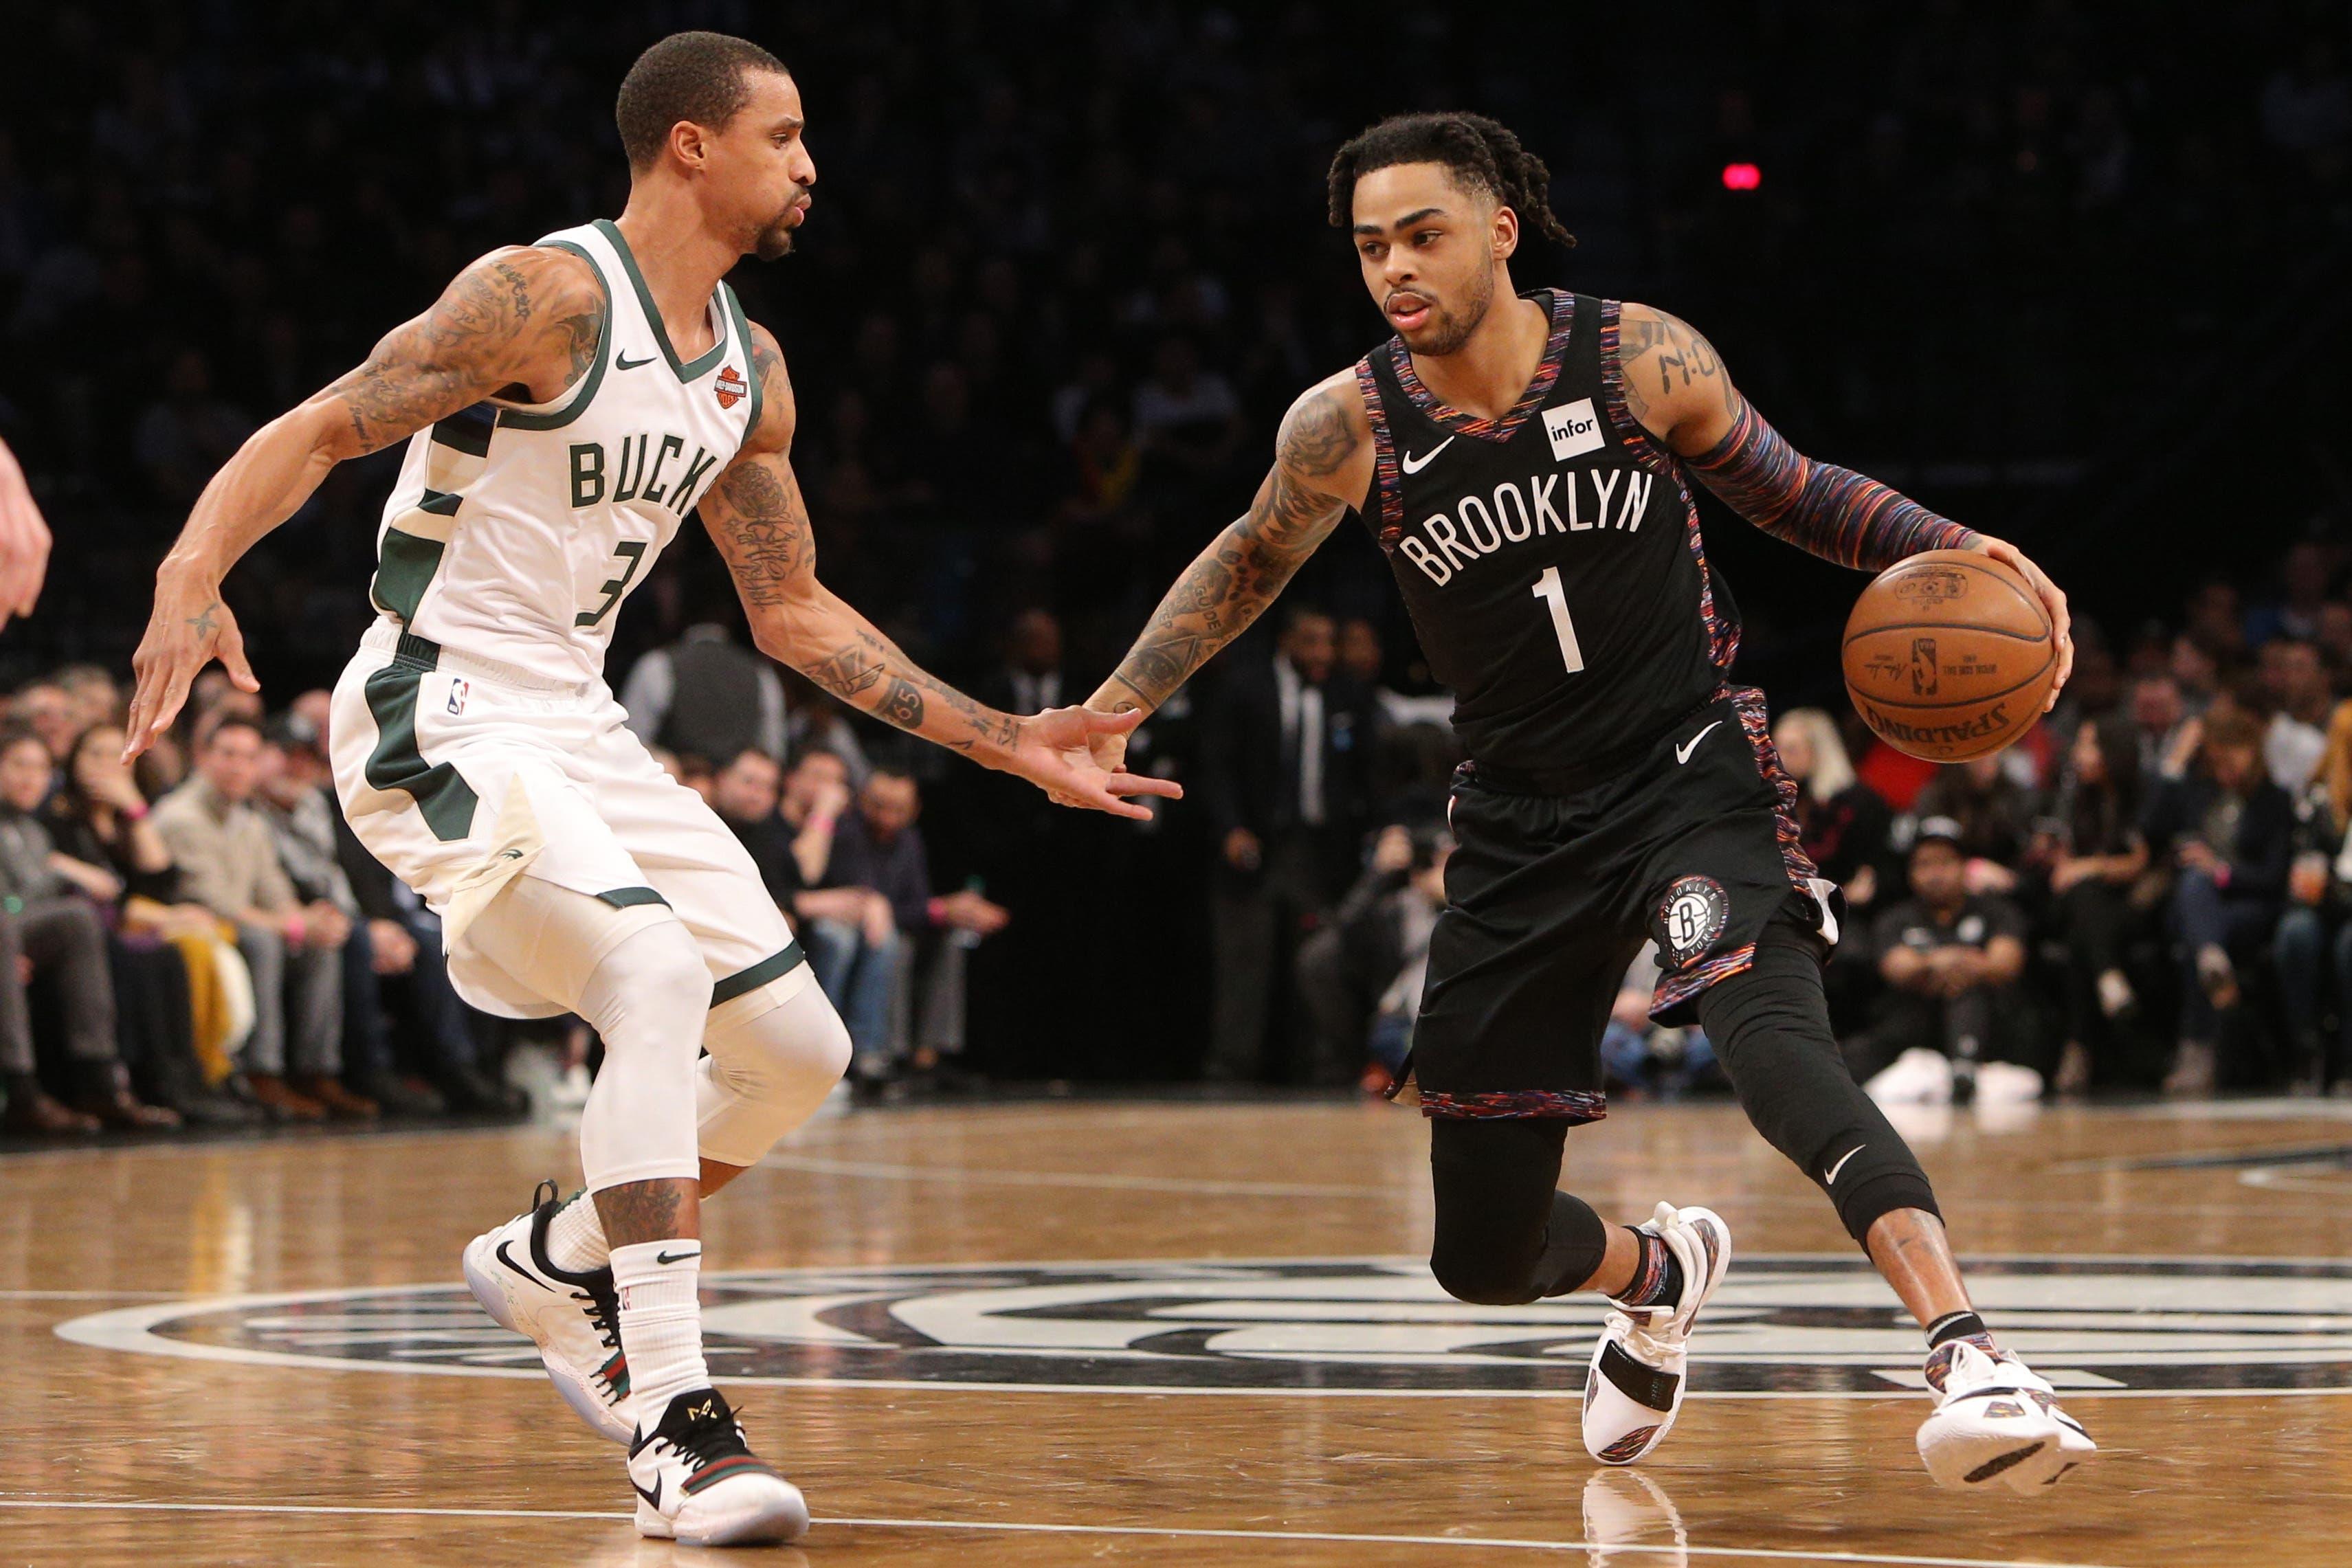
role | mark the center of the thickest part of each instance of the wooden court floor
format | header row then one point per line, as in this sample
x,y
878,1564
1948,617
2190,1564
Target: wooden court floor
x,y
1068,1333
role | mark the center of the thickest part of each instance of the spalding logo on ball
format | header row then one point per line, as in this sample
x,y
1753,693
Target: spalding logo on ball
x,y
1949,655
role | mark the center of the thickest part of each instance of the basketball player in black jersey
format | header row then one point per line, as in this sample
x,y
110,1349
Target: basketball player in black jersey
x,y
1526,462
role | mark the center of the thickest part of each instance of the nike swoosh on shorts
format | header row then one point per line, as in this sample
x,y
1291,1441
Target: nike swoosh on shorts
x,y
1683,752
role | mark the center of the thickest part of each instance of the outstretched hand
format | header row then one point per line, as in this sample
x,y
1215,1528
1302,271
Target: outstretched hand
x,y
24,541
189,629
2054,600
1060,752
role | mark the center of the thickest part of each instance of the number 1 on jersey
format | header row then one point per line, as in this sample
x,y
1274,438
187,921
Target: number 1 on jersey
x,y
1548,588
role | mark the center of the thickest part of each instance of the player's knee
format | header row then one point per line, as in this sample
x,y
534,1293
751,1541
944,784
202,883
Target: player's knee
x,y
653,988
772,1049
1485,1276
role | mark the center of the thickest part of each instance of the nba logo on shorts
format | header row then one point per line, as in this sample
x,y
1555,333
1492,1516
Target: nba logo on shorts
x,y
1573,428
457,690
1692,916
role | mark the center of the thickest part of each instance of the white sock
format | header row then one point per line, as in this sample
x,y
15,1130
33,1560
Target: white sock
x,y
575,1237
661,1323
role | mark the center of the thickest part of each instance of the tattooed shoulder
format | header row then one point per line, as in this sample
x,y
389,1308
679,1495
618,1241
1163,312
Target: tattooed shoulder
x,y
571,306
1666,366
1324,429
778,409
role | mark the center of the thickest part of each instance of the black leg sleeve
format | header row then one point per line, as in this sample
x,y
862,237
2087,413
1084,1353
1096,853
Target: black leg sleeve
x,y
1505,1235
1771,1029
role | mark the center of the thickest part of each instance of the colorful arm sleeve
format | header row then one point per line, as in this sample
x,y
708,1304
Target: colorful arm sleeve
x,y
1822,509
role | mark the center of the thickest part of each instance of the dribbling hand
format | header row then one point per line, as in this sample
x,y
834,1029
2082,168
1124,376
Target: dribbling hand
x,y
2053,601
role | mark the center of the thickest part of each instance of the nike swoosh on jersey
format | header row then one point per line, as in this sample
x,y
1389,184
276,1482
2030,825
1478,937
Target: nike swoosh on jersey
x,y
1683,752
1830,1179
621,361
1416,465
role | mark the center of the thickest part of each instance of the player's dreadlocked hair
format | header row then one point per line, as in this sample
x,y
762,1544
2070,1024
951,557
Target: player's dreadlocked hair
x,y
695,76
1482,153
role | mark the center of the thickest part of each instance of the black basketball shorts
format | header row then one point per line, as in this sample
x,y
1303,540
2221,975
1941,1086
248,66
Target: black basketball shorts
x,y
1550,896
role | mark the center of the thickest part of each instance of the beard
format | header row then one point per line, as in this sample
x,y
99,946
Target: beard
x,y
1447,329
775,240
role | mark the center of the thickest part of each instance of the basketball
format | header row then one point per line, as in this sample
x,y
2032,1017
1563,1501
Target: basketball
x,y
1949,655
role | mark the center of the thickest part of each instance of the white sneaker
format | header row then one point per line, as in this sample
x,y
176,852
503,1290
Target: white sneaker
x,y
1996,1421
699,1482
1917,1077
1635,1388
574,1319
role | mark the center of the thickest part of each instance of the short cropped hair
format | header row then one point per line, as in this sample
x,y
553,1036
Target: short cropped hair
x,y
694,77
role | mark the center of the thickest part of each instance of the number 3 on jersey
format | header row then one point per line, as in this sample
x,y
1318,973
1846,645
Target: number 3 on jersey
x,y
634,552
1548,588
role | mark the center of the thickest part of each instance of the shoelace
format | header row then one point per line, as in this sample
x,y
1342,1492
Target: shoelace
x,y
1640,1339
709,1440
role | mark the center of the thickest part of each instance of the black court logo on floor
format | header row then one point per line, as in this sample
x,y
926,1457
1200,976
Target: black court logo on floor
x,y
1795,1324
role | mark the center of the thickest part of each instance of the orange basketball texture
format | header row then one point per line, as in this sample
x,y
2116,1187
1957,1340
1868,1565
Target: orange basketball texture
x,y
1949,655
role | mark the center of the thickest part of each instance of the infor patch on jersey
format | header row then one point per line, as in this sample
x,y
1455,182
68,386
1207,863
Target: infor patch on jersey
x,y
1692,916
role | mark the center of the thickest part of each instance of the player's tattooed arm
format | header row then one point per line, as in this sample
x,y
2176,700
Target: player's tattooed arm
x,y
1677,388
523,320
1321,455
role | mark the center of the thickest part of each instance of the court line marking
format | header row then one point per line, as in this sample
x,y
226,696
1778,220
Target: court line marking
x,y
1019,1527
129,1330
966,1176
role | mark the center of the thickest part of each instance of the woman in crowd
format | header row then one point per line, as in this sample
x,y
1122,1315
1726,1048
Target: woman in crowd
x,y
50,928
98,816
2097,859
1843,822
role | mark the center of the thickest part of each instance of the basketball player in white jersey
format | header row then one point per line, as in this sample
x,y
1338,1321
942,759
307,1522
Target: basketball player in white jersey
x,y
566,406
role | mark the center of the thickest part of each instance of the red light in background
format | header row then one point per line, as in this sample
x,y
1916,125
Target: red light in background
x,y
1741,177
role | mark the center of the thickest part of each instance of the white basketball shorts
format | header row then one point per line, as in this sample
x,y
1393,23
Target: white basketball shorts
x,y
460,773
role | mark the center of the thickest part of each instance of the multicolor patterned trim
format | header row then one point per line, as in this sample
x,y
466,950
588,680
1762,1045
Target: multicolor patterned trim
x,y
1387,479
1819,507
1680,986
1722,635
1568,1104
1446,417
1756,723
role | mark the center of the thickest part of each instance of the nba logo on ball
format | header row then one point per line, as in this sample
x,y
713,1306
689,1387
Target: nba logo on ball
x,y
1692,916
1573,428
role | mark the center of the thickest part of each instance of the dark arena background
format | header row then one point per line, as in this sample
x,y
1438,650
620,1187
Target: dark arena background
x,y
1110,1249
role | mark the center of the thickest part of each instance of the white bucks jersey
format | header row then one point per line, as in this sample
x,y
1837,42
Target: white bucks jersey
x,y
517,530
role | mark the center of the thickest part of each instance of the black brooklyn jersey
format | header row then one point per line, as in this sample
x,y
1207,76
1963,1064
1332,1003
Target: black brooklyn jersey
x,y
1550,558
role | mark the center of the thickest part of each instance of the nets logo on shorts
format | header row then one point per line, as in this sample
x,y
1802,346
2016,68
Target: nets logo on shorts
x,y
1692,916
1820,1324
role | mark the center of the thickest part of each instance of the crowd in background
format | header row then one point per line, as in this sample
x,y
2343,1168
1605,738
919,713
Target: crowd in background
x,y
2053,267
2151,890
